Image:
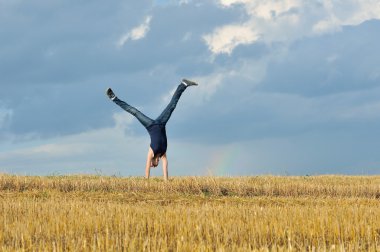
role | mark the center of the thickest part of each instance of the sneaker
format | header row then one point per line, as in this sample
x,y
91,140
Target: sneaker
x,y
110,94
189,83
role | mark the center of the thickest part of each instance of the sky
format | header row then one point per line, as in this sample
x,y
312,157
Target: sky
x,y
286,87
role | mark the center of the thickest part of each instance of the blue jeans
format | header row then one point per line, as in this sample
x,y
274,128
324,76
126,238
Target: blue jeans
x,y
161,119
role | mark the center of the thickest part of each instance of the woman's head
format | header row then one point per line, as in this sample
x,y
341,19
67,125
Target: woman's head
x,y
155,161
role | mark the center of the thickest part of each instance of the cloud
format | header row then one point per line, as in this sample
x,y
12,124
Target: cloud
x,y
225,39
311,85
47,150
222,84
106,149
338,14
279,81
287,21
199,95
136,33
114,150
266,21
323,65
327,26
60,74
122,120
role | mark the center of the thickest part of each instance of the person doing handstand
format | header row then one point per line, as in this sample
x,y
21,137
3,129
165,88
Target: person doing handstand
x,y
155,128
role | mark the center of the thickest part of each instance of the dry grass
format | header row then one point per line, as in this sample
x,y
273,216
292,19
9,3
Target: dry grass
x,y
82,213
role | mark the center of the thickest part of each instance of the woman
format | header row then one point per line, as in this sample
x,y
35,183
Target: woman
x,y
155,128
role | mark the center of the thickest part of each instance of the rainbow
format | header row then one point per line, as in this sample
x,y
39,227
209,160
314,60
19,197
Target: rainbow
x,y
223,161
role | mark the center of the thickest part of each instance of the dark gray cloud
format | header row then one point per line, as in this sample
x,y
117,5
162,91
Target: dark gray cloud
x,y
286,105
340,62
58,57
321,83
62,41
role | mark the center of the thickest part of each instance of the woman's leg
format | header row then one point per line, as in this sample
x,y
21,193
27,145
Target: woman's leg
x,y
165,115
144,120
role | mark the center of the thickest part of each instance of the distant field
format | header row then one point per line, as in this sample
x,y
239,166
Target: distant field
x,y
97,213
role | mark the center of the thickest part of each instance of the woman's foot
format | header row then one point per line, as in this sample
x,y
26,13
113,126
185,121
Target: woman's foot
x,y
110,94
189,83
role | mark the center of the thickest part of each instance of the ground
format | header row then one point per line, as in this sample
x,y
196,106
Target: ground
x,y
83,213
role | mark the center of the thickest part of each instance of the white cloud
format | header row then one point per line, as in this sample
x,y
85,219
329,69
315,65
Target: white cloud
x,y
268,21
270,10
327,26
357,12
339,13
272,20
136,33
231,2
225,39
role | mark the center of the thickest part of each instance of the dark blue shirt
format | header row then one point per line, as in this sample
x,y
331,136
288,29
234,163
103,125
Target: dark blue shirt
x,y
158,140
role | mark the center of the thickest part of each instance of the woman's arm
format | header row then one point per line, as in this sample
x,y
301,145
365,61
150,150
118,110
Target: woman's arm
x,y
165,166
148,162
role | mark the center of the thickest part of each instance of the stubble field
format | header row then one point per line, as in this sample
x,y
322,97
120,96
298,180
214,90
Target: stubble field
x,y
98,213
